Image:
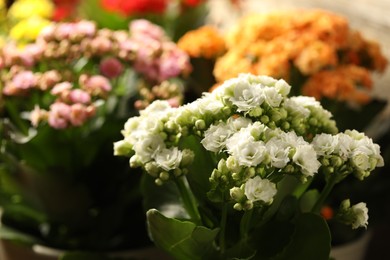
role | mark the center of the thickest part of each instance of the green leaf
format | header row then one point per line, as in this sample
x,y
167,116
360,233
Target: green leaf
x,y
308,200
288,185
181,239
310,240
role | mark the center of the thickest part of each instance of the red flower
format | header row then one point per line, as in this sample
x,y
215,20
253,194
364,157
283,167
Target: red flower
x,y
127,8
64,9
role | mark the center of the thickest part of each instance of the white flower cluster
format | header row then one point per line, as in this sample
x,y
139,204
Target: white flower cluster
x,y
349,152
257,135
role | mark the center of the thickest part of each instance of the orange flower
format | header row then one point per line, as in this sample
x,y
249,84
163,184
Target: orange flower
x,y
334,60
345,83
205,42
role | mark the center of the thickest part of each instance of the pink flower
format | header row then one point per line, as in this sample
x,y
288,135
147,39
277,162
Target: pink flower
x,y
49,79
79,114
85,28
79,96
95,85
20,83
59,115
100,45
61,87
143,28
64,31
173,63
111,67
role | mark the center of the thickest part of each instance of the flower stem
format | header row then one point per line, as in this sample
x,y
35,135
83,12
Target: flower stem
x,y
245,224
189,200
324,194
222,240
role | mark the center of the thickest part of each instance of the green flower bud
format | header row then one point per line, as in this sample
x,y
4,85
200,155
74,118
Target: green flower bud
x,y
164,176
285,126
122,148
187,157
237,206
237,194
248,205
158,182
313,121
177,172
152,168
276,116
256,112
264,119
336,161
200,124
134,162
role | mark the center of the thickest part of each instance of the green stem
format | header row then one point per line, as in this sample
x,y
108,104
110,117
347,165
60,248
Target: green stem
x,y
222,240
324,194
245,224
189,200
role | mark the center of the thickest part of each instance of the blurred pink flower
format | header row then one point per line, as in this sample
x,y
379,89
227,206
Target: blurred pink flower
x,y
111,67
59,115
20,83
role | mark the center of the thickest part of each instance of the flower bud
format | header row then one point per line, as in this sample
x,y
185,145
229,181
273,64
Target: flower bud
x,y
237,194
164,176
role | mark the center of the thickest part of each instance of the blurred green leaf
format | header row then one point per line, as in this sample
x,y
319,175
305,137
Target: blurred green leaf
x,y
181,239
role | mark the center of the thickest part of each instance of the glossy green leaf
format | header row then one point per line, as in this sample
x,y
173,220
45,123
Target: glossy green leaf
x,y
181,239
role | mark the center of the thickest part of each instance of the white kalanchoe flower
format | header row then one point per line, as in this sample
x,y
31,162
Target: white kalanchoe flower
x,y
325,144
168,158
157,108
235,124
296,108
147,147
247,96
306,157
278,152
209,104
258,189
272,96
360,212
249,153
283,87
215,137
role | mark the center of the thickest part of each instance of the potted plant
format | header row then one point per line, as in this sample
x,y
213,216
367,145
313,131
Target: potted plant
x,y
230,175
319,55
64,99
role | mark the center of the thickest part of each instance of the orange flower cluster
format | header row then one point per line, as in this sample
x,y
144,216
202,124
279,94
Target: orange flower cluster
x,y
205,42
333,60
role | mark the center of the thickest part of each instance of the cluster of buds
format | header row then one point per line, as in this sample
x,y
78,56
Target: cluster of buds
x,y
77,64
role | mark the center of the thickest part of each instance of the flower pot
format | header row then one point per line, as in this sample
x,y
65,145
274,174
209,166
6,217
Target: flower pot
x,y
354,250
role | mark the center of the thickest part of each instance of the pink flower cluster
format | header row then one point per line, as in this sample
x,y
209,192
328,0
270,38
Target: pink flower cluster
x,y
75,64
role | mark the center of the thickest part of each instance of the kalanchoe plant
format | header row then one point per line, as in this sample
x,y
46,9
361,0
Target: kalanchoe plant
x,y
64,99
243,159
